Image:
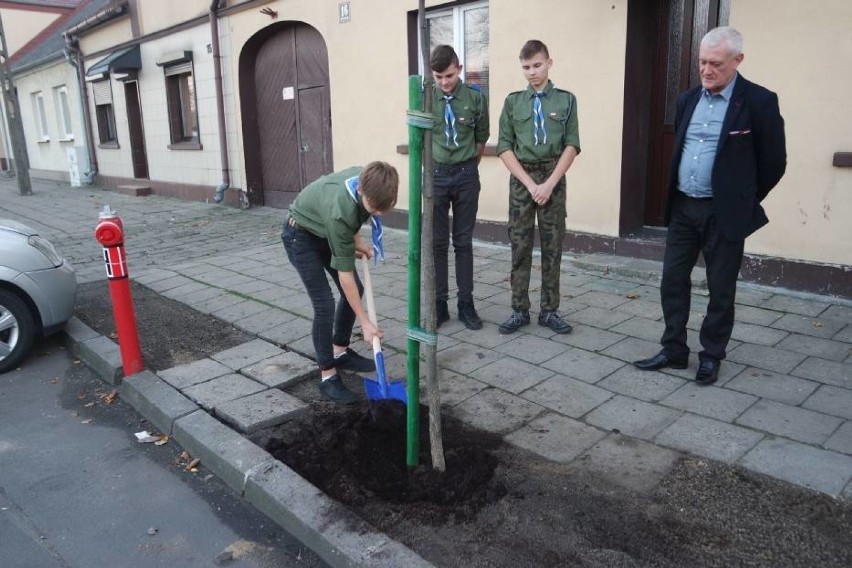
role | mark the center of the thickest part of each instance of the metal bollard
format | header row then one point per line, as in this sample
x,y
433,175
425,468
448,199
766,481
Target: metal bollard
x,y
110,234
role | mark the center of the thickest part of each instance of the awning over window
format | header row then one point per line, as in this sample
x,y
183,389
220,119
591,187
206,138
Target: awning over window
x,y
122,61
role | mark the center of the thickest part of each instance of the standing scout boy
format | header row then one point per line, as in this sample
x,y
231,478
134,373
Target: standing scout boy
x,y
321,235
458,140
538,143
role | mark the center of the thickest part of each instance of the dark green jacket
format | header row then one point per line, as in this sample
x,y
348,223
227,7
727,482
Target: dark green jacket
x,y
471,111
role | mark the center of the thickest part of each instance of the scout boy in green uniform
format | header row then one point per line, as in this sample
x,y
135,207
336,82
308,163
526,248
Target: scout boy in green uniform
x,y
458,140
538,142
321,235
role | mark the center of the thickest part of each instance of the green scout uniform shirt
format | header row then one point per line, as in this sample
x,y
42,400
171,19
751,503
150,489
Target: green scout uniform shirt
x,y
471,110
516,124
326,209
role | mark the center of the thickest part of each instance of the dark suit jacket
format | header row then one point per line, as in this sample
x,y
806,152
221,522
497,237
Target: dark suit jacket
x,y
750,159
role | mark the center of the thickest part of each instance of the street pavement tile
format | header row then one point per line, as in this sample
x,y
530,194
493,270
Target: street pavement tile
x,y
483,291
532,349
816,347
763,357
844,335
161,286
831,400
219,302
806,325
454,388
710,401
200,371
222,389
492,276
267,319
288,333
246,354
621,287
790,421
841,440
709,438
641,328
465,358
242,310
749,296
555,437
599,317
650,386
589,338
632,349
577,278
695,320
583,365
755,316
604,300
843,314
147,274
643,308
758,334
282,370
260,410
631,463
803,465
487,337
567,396
496,411
829,372
793,305
187,290
511,374
633,417
727,371
774,386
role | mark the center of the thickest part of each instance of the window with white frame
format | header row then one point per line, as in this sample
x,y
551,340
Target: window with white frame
x,y
465,27
40,116
63,111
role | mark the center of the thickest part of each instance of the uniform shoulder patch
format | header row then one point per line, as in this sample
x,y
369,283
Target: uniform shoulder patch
x,y
474,87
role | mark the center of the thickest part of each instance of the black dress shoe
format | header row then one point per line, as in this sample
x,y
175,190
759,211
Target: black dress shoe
x,y
661,361
442,313
708,372
468,316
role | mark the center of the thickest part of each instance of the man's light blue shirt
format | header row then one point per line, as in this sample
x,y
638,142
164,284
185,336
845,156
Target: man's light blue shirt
x,y
701,141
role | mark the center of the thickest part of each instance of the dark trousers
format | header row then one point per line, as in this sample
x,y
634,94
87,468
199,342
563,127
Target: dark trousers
x,y
457,187
310,255
693,229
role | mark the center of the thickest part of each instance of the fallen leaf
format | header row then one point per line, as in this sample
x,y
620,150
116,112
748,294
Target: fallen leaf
x,y
633,295
152,531
109,398
193,470
164,439
54,382
191,465
817,324
184,455
86,421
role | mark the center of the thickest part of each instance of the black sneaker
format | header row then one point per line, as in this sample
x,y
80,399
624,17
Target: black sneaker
x,y
352,361
516,321
442,313
554,321
334,390
468,316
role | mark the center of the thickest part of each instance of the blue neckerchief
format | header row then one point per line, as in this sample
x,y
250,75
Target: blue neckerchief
x,y
450,130
378,245
538,119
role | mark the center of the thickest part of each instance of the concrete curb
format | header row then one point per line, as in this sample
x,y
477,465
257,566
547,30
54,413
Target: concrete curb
x,y
337,535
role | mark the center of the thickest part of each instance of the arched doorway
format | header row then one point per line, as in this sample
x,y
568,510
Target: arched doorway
x,y
286,110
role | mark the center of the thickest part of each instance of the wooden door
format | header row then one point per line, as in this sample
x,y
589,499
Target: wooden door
x,y
138,154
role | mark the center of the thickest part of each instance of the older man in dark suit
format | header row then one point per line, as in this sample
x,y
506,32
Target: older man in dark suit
x,y
729,153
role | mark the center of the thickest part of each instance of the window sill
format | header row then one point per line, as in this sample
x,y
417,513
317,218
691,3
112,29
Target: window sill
x,y
185,146
44,141
490,149
109,145
69,139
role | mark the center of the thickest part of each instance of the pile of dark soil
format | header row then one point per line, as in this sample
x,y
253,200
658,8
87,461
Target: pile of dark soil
x,y
170,333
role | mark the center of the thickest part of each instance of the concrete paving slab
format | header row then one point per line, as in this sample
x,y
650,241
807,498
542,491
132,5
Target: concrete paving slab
x,y
750,295
194,373
187,290
633,417
282,370
487,337
166,284
648,309
774,386
710,401
583,365
844,335
709,438
650,386
156,400
611,286
512,375
567,396
831,400
841,440
641,328
631,463
807,325
241,311
336,534
531,349
555,437
454,388
246,354
843,314
288,333
785,303
632,349
755,316
465,358
790,421
589,338
260,410
605,300
822,470
496,411
828,372
222,389
219,302
816,347
600,318
758,334
769,358
264,320
727,371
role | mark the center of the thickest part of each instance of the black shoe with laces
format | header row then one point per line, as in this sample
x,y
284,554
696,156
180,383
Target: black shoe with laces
x,y
442,313
352,361
468,316
554,321
516,321
334,390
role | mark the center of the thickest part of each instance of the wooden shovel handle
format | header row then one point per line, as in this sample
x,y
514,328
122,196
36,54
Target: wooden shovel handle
x,y
368,292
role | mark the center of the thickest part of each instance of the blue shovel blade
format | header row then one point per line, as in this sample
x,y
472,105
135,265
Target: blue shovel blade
x,y
382,389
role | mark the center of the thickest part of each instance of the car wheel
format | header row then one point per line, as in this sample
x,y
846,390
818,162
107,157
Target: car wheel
x,y
17,330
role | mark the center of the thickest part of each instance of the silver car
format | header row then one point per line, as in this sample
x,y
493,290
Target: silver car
x,y
37,291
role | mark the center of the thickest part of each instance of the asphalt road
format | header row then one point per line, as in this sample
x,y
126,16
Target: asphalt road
x,y
77,489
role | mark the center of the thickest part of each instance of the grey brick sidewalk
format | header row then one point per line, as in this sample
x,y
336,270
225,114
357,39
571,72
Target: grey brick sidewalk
x,y
783,405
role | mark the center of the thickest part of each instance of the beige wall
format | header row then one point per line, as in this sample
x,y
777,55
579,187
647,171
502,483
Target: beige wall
x,y
155,15
20,26
805,55
105,37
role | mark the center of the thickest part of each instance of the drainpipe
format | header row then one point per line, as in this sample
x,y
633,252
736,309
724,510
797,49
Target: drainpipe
x,y
75,58
220,102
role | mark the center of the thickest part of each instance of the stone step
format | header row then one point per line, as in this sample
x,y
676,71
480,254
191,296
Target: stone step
x,y
134,190
634,269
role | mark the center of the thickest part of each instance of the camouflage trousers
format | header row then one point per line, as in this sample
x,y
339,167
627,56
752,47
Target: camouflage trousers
x,y
523,212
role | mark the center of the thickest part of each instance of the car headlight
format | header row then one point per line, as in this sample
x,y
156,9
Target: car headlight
x,y
44,246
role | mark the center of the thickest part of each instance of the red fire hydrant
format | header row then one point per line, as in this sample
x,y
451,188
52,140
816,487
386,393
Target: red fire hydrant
x,y
110,233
